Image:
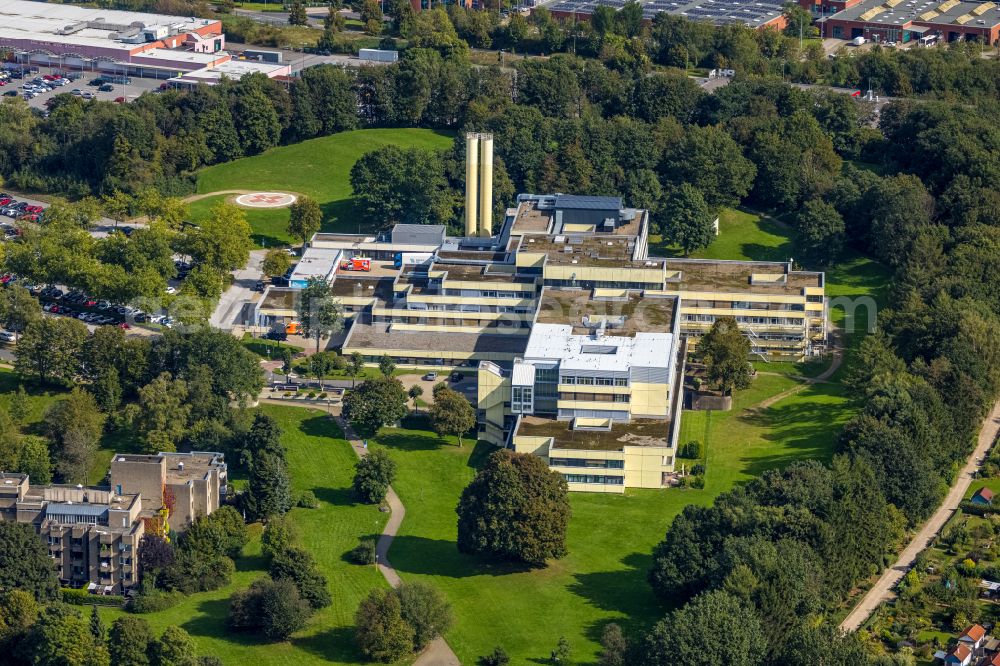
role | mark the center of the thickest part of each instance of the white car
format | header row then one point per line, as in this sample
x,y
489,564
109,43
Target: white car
x,y
171,290
7,336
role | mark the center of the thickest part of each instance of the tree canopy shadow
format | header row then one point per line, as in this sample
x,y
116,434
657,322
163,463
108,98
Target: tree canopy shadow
x,y
336,644
413,441
321,425
335,496
438,557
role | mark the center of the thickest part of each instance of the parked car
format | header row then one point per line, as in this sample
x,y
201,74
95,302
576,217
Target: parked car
x,y
7,336
456,376
430,376
107,87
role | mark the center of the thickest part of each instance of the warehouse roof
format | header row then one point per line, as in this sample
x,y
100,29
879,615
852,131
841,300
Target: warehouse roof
x,y
937,12
418,234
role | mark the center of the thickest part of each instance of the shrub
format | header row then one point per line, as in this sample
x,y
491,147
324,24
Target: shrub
x,y
279,535
364,552
84,598
425,610
307,500
697,482
372,476
323,395
153,601
496,658
690,450
698,470
380,630
312,394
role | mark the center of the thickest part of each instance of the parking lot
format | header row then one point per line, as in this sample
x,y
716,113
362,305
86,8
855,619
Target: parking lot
x,y
129,91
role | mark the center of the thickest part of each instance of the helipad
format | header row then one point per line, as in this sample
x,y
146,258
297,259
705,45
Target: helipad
x,y
266,200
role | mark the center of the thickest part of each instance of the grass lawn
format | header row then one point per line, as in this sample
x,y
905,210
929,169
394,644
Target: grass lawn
x,y
610,536
267,348
319,460
319,168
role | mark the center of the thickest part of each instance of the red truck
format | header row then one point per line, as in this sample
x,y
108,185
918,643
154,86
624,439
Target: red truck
x,y
356,264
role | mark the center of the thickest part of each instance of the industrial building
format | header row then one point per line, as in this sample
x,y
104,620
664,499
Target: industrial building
x,y
903,21
759,15
93,534
185,50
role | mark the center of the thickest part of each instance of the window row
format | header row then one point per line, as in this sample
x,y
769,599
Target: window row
x,y
593,397
586,462
595,478
593,381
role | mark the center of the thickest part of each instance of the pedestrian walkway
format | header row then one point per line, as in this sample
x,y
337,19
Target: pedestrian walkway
x,y
437,652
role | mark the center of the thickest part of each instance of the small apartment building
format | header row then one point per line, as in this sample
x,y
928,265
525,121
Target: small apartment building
x,y
196,482
92,533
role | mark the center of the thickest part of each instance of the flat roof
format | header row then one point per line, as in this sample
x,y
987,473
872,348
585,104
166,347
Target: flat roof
x,y
316,262
480,273
738,276
940,13
588,249
637,432
605,353
175,55
634,312
358,286
43,21
384,336
233,69
718,12
279,298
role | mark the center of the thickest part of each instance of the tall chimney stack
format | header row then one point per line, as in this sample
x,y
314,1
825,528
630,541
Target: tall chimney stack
x,y
486,187
471,182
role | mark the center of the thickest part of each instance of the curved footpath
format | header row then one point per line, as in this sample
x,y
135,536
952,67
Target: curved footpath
x,y
437,653
882,590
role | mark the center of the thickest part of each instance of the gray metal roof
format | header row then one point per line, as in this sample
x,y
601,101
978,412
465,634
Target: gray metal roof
x,y
418,234
576,202
65,509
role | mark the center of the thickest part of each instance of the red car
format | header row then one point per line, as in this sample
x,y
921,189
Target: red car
x,y
119,100
91,303
29,218
124,326
33,210
55,309
5,201
49,77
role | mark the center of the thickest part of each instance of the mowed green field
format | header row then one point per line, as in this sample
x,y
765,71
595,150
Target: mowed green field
x,y
319,168
610,538
321,461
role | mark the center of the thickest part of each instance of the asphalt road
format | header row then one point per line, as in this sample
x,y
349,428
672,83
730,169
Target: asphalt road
x,y
103,227
241,292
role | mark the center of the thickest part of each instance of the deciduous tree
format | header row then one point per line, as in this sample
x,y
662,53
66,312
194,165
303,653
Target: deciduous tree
x,y
515,509
304,218
381,632
452,414
74,424
25,563
725,351
375,403
373,474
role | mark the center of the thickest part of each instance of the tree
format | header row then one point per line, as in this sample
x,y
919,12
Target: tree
x,y
304,218
725,352
279,535
386,365
426,610
130,638
174,647
375,403
276,263
163,413
264,436
515,509
272,607
117,206
74,424
97,628
269,491
298,566
452,414
61,637
50,349
320,312
223,240
681,637
562,652
373,474
18,612
320,364
414,393
355,366
407,185
687,220
24,562
155,554
380,630
297,14
821,232
18,407
222,532
33,459
614,647
18,309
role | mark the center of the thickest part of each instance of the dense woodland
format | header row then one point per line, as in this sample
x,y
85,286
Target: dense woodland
x,y
768,560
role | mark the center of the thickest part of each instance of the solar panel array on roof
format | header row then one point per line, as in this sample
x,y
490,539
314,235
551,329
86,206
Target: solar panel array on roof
x,y
588,203
720,12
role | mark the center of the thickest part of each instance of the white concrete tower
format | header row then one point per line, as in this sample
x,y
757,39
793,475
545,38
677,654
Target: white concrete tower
x,y
486,187
471,182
